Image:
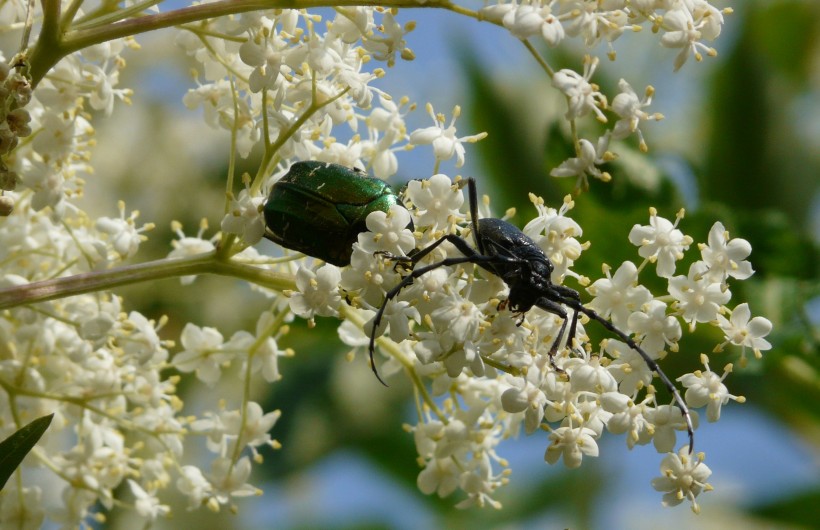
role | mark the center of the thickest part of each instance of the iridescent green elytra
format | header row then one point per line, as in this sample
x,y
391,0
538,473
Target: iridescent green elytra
x,y
319,209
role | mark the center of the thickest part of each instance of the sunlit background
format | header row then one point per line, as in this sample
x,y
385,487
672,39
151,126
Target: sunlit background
x,y
740,144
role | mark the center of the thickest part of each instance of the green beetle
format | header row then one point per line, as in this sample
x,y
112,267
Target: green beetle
x,y
319,209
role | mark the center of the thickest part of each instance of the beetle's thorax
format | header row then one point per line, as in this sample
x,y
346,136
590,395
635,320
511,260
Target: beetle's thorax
x,y
529,284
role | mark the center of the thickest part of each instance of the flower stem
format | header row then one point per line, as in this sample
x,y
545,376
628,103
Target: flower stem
x,y
88,282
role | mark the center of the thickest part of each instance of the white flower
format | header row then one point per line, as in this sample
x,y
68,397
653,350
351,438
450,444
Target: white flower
x,y
251,428
571,444
630,418
526,20
530,400
202,353
697,296
444,140
194,485
616,297
389,41
262,348
398,314
466,357
627,105
590,376
366,277
726,257
388,232
706,388
143,342
22,509
265,51
437,201
586,163
318,292
683,476
433,346
229,479
352,24
244,218
743,331
582,95
123,234
661,241
682,32
461,318
440,476
628,367
654,327
147,504
556,234
667,419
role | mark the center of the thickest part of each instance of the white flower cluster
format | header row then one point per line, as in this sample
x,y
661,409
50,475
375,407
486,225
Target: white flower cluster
x,y
289,85
104,372
492,368
308,80
682,24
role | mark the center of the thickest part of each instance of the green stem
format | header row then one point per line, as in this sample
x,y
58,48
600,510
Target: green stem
x,y
110,14
538,58
285,134
53,44
88,282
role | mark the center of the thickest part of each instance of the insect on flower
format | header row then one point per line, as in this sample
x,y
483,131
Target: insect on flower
x,y
505,251
319,209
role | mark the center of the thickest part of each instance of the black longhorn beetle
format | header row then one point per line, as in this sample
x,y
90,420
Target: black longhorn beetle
x,y
504,250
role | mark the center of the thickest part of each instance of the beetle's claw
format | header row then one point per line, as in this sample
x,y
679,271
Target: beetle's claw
x,y
402,262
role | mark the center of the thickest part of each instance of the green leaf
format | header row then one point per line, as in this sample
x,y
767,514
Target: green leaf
x,y
15,448
798,510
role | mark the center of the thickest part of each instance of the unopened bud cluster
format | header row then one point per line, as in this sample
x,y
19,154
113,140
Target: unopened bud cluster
x,y
15,94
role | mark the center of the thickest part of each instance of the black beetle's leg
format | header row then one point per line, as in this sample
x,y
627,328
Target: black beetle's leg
x,y
470,256
566,292
472,193
650,362
558,310
457,241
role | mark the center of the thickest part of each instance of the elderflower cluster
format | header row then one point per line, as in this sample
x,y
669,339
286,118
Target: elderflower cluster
x,y
680,24
490,370
289,85
103,370
311,78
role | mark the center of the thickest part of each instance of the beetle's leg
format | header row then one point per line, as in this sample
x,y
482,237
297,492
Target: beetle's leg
x,y
564,292
472,193
457,241
470,256
558,310
406,262
650,362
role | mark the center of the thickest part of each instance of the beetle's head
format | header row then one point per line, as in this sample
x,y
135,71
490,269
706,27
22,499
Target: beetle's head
x,y
540,272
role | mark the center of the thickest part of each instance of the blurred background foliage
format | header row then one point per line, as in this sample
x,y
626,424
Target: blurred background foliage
x,y
747,154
